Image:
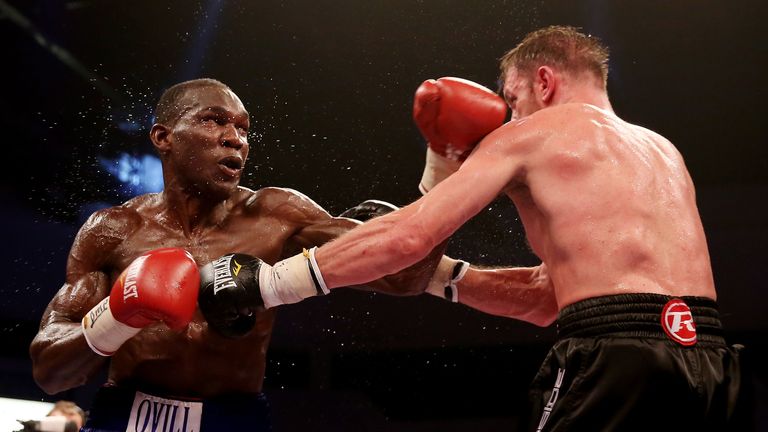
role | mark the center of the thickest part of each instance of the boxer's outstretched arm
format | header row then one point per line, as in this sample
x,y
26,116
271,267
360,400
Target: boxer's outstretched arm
x,y
61,357
392,242
321,227
314,227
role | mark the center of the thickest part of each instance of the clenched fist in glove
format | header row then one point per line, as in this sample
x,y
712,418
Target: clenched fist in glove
x,y
160,285
453,115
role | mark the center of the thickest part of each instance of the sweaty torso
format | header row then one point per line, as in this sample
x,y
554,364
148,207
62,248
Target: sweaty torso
x,y
198,362
610,208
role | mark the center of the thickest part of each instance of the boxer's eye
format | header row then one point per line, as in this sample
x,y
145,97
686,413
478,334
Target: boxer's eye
x,y
215,119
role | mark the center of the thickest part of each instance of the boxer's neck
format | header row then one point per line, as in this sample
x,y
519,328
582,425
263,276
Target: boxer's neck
x,y
193,212
588,92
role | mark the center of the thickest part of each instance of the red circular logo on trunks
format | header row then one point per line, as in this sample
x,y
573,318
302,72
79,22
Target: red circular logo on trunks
x,y
677,321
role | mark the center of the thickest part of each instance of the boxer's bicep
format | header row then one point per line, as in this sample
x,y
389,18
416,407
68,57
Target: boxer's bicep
x,y
499,162
75,298
60,356
465,193
313,225
86,281
323,231
88,265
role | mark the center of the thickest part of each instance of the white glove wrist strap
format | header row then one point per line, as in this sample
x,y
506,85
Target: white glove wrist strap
x,y
447,275
291,280
103,332
436,169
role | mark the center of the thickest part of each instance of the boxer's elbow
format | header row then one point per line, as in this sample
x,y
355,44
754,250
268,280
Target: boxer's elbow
x,y
546,313
46,378
40,373
50,376
53,381
538,317
409,245
545,297
46,383
542,319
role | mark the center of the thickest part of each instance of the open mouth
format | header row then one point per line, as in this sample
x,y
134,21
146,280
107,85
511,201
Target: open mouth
x,y
231,165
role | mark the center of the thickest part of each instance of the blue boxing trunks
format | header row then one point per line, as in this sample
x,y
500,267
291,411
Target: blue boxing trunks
x,y
117,409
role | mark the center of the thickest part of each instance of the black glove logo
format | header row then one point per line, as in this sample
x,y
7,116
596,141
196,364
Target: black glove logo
x,y
222,276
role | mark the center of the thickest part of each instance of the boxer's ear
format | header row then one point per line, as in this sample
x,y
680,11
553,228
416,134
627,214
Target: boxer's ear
x,y
160,136
545,83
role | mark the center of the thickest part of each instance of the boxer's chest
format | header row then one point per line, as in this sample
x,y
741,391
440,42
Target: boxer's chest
x,y
261,237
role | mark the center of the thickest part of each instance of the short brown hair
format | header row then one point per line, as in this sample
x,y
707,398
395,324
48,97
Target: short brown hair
x,y
69,408
561,46
168,108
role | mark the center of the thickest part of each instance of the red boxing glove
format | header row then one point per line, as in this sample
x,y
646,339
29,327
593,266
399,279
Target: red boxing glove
x,y
160,285
453,114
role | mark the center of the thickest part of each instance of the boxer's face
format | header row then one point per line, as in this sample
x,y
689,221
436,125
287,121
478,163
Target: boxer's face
x,y
519,95
210,141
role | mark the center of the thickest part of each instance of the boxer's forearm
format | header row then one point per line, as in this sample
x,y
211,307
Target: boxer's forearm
x,y
412,280
61,358
518,292
390,243
371,251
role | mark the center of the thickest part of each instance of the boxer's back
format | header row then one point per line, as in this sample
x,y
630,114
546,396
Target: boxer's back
x,y
610,207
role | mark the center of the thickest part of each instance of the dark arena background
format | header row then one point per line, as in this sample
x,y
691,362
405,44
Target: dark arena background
x,y
329,85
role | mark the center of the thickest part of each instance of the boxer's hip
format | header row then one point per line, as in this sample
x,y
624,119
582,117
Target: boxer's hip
x,y
621,358
127,409
684,320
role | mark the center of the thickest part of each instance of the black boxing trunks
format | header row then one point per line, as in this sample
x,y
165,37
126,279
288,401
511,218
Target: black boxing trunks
x,y
120,409
637,362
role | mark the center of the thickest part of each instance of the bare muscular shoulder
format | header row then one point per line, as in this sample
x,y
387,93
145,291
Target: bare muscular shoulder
x,y
135,227
285,203
103,232
524,142
570,141
307,223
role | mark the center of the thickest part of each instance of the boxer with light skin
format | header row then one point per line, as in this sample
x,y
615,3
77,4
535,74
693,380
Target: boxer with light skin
x,y
610,209
132,279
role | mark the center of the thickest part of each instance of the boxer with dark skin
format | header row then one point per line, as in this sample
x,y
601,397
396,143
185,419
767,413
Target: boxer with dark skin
x,y
201,136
